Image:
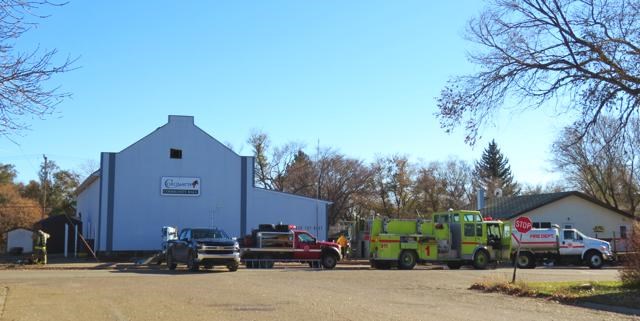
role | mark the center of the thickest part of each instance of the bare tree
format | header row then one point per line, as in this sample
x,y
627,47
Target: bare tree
x,y
429,188
272,162
444,185
456,177
395,179
86,168
23,75
584,54
551,187
605,164
344,182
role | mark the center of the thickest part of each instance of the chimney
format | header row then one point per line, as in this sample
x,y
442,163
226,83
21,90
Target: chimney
x,y
181,119
480,199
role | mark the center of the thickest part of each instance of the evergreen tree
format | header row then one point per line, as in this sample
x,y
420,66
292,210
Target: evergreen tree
x,y
493,173
7,173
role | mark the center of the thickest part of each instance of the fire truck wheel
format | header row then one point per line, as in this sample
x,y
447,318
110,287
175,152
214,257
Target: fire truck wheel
x,y
170,262
192,264
526,261
407,260
329,261
594,260
454,265
481,260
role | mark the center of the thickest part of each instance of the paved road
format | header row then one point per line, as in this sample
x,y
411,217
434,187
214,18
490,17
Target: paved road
x,y
347,293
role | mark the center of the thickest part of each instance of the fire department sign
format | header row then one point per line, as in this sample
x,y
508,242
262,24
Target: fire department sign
x,y
180,186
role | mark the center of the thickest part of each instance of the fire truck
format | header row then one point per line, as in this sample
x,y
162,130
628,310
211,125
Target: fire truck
x,y
455,238
284,243
558,246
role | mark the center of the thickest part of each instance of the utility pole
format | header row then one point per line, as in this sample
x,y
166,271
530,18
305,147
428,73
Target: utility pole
x,y
44,186
317,229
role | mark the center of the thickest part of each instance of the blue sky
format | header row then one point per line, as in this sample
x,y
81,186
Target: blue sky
x,y
361,77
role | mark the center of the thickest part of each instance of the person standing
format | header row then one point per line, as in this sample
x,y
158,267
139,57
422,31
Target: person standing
x,y
343,242
40,247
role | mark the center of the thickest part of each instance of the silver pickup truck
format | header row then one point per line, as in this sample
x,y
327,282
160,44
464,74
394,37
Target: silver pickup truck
x,y
205,247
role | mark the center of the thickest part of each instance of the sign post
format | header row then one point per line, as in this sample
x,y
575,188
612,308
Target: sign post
x,y
523,225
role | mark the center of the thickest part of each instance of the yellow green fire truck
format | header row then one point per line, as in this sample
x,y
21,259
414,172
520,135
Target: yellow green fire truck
x,y
455,238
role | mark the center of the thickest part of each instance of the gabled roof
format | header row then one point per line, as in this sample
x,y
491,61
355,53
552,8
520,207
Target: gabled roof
x,y
509,207
292,195
62,217
87,182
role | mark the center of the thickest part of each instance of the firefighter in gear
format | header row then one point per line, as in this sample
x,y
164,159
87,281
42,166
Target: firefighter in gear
x,y
344,243
40,247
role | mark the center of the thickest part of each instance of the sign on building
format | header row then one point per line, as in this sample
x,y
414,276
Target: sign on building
x,y
180,186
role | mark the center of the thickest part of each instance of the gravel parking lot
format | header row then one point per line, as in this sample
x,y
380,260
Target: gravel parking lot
x,y
284,293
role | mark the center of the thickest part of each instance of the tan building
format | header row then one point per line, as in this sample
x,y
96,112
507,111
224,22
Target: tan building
x,y
568,210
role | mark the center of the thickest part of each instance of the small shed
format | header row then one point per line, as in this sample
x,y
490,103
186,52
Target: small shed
x,y
20,238
55,226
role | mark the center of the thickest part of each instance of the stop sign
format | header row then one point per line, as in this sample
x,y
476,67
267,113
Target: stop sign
x,y
523,224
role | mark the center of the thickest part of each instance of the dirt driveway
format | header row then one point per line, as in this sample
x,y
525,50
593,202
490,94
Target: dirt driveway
x,y
347,293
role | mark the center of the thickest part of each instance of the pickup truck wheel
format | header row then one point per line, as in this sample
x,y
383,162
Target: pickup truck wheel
x,y
594,260
407,260
481,260
329,261
233,267
171,264
192,265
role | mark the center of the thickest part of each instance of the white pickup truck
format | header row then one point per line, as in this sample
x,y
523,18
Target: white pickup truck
x,y
556,245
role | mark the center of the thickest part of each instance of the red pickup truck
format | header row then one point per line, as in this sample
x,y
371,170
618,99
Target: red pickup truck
x,y
284,243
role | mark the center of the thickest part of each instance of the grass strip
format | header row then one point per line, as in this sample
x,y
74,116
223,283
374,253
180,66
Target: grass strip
x,y
611,293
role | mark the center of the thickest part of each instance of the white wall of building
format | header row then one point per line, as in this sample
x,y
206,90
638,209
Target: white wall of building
x,y
131,210
269,207
584,216
20,238
139,169
87,206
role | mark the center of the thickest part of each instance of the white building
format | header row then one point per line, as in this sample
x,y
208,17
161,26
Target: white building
x,y
568,210
21,238
180,176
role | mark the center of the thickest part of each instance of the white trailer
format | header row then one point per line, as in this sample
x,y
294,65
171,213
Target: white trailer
x,y
556,245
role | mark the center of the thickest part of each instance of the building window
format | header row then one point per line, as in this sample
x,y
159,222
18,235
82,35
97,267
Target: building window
x,y
623,232
175,153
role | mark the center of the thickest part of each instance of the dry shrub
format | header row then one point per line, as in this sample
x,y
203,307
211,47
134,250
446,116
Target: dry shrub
x,y
630,273
517,289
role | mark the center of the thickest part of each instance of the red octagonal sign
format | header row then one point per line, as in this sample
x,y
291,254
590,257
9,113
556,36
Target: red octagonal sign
x,y
523,224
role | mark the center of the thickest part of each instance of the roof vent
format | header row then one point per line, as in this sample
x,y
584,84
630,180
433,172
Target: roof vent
x,y
181,119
